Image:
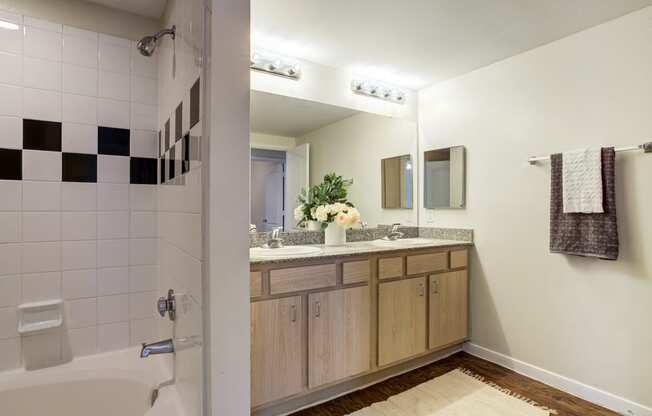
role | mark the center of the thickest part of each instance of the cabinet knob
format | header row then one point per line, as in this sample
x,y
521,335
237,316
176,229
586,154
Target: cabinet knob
x,y
435,286
422,290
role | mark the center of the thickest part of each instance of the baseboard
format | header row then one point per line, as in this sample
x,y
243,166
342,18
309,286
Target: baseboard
x,y
570,386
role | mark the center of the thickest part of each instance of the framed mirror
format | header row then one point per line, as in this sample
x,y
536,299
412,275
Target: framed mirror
x,y
396,175
444,182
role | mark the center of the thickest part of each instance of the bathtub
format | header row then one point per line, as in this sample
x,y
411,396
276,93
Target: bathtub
x,y
109,384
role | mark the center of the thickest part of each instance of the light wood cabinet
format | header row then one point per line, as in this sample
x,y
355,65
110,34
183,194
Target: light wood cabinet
x,y
390,267
295,279
278,363
356,272
338,335
424,263
448,310
459,258
401,320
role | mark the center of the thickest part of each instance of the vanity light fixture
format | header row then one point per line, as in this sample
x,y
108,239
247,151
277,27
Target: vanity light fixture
x,y
378,90
274,66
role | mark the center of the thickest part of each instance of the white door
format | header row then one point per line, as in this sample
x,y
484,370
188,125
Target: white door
x,y
297,177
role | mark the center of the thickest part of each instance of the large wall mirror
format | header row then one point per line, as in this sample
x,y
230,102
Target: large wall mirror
x,y
296,142
444,174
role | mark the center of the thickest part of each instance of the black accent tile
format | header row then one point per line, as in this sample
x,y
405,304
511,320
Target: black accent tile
x,y
171,161
143,170
167,135
178,122
41,135
78,167
112,141
11,164
185,154
162,170
194,104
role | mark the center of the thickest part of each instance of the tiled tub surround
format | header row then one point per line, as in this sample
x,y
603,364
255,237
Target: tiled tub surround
x,y
78,213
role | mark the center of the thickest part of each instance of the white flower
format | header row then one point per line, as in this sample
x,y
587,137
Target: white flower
x,y
298,213
321,213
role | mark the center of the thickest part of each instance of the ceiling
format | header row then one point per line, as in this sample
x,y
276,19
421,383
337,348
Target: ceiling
x,y
415,43
152,9
291,117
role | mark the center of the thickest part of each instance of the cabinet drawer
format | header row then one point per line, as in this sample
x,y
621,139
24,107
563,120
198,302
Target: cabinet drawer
x,y
355,272
424,263
390,267
459,258
302,278
255,284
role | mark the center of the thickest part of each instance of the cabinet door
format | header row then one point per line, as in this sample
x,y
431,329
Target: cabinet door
x,y
277,345
448,308
401,320
338,335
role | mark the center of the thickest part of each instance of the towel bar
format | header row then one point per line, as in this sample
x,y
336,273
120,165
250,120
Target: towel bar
x,y
646,147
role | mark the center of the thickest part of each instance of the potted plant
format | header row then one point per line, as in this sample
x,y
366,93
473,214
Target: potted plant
x,y
332,209
304,214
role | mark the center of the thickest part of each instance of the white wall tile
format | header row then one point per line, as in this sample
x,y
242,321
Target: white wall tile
x,y
42,350
9,291
12,132
78,196
79,138
10,255
142,65
41,196
40,165
113,336
9,353
143,252
144,330
41,257
43,74
9,17
79,284
144,143
112,281
86,34
113,40
80,51
144,117
11,37
77,255
112,309
41,226
79,225
144,90
112,225
143,278
41,286
142,305
143,225
9,323
112,113
114,58
81,313
9,227
112,197
143,197
39,43
12,69
12,101
80,80
112,253
114,85
82,341
79,109
41,104
43,24
11,192
113,169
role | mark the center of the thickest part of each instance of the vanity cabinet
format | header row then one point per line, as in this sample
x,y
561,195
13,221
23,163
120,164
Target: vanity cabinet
x,y
448,309
401,320
278,362
338,335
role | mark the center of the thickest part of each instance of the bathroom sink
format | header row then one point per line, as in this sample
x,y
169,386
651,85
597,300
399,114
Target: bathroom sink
x,y
283,251
402,242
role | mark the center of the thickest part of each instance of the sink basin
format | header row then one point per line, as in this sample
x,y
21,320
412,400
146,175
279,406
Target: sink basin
x,y
283,251
402,242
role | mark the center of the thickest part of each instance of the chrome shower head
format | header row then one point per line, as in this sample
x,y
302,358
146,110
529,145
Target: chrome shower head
x,y
147,45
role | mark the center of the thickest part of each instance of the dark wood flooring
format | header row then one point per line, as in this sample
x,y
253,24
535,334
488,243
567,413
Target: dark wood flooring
x,y
563,403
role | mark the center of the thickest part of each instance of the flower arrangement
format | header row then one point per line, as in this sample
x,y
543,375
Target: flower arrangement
x,y
327,203
342,214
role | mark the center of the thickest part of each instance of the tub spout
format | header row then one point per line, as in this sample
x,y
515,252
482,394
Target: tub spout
x,y
161,347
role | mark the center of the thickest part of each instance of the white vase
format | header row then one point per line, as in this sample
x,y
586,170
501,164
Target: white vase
x,y
314,226
335,235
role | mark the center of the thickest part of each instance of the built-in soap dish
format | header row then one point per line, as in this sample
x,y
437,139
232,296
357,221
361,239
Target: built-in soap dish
x,y
39,316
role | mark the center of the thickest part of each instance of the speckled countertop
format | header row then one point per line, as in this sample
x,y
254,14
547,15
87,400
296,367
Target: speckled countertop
x,y
350,249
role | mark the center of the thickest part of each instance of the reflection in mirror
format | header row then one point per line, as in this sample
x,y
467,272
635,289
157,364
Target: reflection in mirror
x,y
444,178
397,182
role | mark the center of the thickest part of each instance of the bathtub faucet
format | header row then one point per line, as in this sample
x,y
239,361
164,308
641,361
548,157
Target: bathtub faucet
x,y
161,347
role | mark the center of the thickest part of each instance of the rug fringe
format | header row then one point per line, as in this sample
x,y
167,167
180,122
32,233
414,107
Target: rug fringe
x,y
506,390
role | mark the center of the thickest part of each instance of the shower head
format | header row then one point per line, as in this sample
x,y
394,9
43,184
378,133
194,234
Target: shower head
x,y
147,45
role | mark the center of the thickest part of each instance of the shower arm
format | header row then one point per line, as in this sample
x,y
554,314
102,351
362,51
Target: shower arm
x,y
171,31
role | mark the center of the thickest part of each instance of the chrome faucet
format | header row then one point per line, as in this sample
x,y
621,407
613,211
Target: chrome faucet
x,y
161,347
394,234
275,240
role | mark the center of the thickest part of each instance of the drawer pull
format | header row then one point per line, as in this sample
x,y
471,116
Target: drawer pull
x,y
317,309
293,313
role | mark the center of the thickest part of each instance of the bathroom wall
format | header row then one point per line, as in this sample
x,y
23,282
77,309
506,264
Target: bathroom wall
x,y
353,148
78,184
589,320
272,142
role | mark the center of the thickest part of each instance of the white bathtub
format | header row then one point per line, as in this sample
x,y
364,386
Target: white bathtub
x,y
110,384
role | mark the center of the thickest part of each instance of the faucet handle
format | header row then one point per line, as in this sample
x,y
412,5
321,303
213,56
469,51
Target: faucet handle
x,y
167,305
395,226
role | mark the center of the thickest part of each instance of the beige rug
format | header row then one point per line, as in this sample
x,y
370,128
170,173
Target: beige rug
x,y
457,393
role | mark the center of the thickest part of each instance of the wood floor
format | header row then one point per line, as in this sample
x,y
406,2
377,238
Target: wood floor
x,y
563,403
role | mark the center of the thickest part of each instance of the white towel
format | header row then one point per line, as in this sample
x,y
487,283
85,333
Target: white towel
x,y
582,181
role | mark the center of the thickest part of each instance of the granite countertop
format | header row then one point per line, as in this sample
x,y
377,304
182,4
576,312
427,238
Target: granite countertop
x,y
351,249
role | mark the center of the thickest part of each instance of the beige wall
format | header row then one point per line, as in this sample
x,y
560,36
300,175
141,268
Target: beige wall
x,y
85,15
272,142
589,320
354,148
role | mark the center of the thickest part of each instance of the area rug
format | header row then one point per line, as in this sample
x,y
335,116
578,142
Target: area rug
x,y
457,393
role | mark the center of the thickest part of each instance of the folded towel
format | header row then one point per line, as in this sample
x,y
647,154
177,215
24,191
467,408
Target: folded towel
x,y
591,235
582,172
